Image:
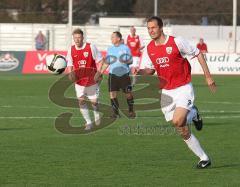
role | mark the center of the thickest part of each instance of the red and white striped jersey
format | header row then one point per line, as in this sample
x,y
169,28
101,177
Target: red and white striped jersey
x,y
169,61
84,61
134,44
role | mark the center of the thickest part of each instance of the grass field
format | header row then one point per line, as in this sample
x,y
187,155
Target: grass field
x,y
33,152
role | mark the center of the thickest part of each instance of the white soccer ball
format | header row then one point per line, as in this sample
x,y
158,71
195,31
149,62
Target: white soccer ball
x,y
56,64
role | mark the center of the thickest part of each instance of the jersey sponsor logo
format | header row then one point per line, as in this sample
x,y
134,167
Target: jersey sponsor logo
x,y
169,50
8,62
163,61
133,44
85,54
82,63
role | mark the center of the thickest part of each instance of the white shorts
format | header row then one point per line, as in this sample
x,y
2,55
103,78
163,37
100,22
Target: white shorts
x,y
91,92
136,61
182,96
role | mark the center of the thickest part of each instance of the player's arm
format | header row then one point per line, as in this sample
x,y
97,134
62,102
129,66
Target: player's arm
x,y
69,69
97,56
146,67
71,73
210,82
103,67
141,44
188,49
146,71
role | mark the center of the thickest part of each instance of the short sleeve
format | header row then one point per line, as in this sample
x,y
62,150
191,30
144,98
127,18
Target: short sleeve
x,y
141,42
125,40
146,61
128,50
69,58
97,55
186,48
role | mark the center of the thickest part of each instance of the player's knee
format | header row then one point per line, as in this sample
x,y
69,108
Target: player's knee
x,y
184,132
175,122
94,104
178,122
81,101
128,89
129,95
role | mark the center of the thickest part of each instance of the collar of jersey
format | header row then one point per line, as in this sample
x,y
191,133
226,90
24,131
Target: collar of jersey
x,y
167,38
83,46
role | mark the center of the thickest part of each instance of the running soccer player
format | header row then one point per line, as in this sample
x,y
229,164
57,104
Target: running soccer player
x,y
82,58
166,55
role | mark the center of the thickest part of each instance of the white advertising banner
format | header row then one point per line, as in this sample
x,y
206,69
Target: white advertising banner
x,y
218,63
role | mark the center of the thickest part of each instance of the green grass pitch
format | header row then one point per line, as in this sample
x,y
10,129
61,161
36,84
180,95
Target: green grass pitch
x,y
34,153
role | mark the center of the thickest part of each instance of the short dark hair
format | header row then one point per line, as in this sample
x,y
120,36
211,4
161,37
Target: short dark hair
x,y
119,35
77,31
155,18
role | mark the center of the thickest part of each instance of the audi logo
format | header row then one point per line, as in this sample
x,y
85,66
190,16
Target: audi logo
x,y
162,60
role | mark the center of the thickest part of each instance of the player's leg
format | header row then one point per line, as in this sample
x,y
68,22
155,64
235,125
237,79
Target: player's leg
x,y
134,77
127,89
83,106
178,109
114,104
96,113
134,68
179,120
195,117
130,102
92,93
193,114
113,88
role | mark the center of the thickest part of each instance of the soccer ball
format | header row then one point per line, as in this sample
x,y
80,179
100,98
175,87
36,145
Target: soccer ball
x,y
56,64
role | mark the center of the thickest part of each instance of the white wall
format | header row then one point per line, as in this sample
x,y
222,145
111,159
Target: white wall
x,y
20,37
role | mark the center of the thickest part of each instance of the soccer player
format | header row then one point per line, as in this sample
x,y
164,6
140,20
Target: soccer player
x,y
82,58
118,59
135,44
166,55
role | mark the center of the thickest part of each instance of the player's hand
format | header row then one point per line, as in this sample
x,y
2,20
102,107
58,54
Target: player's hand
x,y
72,76
211,84
146,71
134,70
98,77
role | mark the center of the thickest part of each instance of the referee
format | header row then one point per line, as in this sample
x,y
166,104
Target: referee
x,y
118,59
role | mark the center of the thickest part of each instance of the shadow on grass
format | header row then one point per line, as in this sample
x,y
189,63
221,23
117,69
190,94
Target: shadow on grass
x,y
237,165
13,129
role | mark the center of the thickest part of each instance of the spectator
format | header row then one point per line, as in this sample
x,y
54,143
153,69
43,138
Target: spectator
x,y
230,38
40,41
202,46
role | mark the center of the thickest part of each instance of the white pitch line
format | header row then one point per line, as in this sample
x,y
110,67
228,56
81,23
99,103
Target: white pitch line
x,y
222,102
11,106
44,107
220,117
219,111
30,117
51,117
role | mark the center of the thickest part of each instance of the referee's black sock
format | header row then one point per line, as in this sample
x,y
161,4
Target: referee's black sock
x,y
130,103
115,105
